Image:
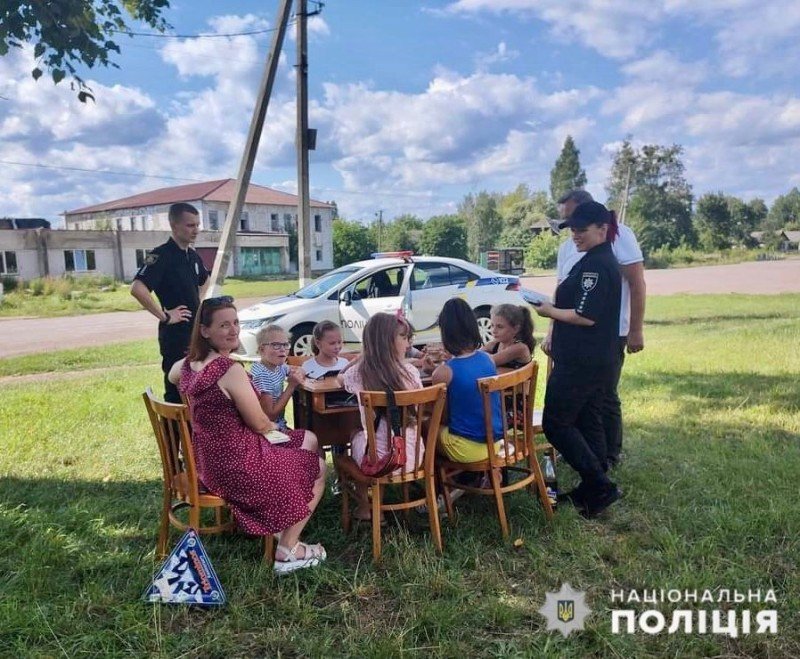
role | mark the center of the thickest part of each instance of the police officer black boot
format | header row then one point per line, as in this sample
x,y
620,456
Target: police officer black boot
x,y
575,497
600,496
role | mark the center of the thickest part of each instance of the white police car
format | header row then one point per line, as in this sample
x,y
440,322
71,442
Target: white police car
x,y
348,296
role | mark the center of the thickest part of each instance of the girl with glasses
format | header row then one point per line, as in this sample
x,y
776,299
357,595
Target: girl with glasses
x,y
272,373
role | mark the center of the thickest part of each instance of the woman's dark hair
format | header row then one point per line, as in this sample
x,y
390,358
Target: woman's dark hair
x,y
459,327
519,317
319,331
199,346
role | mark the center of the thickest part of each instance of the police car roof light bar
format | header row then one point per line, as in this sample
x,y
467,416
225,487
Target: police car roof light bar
x,y
404,254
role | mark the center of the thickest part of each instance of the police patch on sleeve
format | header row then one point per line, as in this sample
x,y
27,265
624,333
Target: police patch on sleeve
x,y
589,281
150,259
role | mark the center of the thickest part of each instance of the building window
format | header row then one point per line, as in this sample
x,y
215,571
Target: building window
x,y
319,255
133,224
318,223
213,220
275,222
287,220
244,221
79,260
140,256
8,263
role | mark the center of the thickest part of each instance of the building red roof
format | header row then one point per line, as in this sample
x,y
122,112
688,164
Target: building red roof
x,y
221,190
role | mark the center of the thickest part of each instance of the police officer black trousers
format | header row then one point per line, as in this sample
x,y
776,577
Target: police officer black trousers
x,y
572,420
612,408
172,342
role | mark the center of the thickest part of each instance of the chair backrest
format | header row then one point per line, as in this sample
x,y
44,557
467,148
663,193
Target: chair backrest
x,y
517,391
420,410
170,423
297,360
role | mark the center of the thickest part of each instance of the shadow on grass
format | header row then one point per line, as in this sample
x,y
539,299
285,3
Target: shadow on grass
x,y
719,318
737,390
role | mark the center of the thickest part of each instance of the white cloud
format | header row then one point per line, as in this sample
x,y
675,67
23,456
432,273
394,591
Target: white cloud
x,y
616,29
499,55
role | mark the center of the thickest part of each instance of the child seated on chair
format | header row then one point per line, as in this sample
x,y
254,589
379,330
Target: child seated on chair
x,y
513,343
271,373
327,345
464,437
382,366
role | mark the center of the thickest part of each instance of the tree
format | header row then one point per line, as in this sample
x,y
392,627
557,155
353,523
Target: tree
x,y
484,223
351,242
70,34
745,218
514,236
444,235
528,212
542,251
567,173
402,233
785,211
660,199
713,222
508,201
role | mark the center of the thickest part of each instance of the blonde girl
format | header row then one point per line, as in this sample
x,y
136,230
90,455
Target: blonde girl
x,y
327,345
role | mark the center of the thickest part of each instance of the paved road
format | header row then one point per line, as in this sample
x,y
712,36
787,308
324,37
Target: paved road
x,y
31,335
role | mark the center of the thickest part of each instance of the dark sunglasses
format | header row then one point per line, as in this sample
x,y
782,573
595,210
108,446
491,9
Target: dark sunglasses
x,y
218,301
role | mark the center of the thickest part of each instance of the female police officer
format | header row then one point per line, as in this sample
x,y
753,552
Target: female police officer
x,y
584,351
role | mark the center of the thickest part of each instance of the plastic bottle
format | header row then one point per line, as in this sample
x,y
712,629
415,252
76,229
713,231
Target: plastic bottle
x,y
550,482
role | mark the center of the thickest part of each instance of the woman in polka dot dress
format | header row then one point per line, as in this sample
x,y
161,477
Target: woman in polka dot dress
x,y
270,488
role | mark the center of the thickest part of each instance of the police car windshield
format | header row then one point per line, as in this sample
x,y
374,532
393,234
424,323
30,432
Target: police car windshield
x,y
325,283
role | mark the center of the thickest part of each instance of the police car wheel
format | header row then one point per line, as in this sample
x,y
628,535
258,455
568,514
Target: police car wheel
x,y
484,325
302,341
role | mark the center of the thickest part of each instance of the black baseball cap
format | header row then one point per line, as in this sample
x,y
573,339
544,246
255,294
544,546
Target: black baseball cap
x,y
589,212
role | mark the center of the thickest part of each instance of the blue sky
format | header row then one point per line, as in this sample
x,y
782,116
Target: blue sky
x,y
420,103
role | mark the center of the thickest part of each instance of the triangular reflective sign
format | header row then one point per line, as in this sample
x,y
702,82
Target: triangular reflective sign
x,y
187,576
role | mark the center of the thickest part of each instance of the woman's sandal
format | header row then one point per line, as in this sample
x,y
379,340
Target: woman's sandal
x,y
313,555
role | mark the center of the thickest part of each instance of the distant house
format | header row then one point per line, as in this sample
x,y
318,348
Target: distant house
x,y
787,240
113,237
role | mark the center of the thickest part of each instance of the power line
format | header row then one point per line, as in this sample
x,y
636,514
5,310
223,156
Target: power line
x,y
207,35
97,171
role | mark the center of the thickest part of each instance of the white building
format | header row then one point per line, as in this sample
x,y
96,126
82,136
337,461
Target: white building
x,y
261,242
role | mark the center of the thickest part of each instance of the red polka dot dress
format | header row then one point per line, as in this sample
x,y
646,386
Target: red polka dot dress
x,y
267,486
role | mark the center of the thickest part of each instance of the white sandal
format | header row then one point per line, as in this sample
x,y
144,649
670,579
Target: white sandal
x,y
314,555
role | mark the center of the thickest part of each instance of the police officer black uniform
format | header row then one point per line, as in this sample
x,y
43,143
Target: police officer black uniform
x,y
175,275
584,344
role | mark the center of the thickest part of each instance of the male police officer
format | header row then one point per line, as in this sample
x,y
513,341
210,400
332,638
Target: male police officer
x,y
178,277
631,316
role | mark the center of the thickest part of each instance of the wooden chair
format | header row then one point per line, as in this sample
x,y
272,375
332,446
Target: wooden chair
x,y
420,409
516,390
181,485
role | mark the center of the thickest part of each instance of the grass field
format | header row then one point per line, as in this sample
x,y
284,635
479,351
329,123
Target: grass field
x,y
58,299
710,476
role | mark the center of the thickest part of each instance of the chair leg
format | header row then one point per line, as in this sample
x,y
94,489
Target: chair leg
x,y
446,494
269,549
218,515
498,498
433,513
163,528
376,522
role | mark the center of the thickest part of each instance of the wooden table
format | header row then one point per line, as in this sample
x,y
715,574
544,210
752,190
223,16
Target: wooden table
x,y
331,425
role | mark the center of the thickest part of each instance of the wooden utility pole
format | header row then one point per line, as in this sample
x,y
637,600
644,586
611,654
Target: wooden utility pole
x,y
251,149
379,216
303,201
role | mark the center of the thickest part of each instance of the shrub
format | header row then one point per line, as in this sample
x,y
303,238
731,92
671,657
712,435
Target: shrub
x,y
542,251
10,284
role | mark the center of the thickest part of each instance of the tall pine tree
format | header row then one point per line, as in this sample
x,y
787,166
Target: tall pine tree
x,y
567,173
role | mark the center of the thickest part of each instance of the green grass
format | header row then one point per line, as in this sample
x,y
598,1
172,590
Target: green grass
x,y
67,302
712,410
